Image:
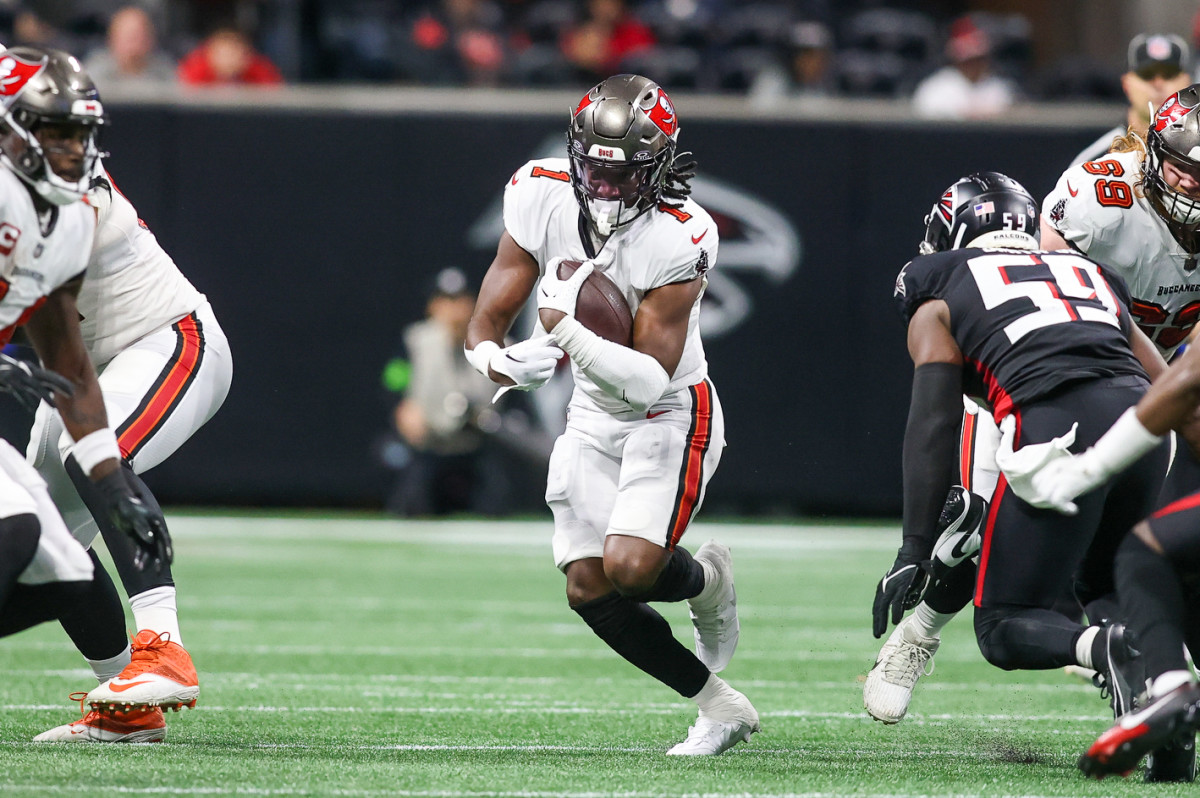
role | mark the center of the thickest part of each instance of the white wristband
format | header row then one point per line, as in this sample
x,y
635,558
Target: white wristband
x,y
1126,441
481,356
94,448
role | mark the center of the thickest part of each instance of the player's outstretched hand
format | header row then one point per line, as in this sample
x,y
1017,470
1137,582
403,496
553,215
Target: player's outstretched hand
x,y
143,522
561,295
31,384
529,364
1045,475
900,589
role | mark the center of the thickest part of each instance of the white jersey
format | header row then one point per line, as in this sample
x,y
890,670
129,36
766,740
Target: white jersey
x,y
34,262
132,286
662,246
1098,209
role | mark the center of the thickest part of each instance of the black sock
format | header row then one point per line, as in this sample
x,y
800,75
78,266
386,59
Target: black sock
x,y
954,591
120,546
681,578
643,637
96,624
19,536
1153,604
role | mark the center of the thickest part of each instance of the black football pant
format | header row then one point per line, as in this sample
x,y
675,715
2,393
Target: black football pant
x,y
1029,555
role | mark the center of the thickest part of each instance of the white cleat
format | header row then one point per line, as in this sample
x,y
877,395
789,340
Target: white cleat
x,y
139,725
721,729
902,660
714,611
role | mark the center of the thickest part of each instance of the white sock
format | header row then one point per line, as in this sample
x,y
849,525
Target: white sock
x,y
713,694
1083,647
1168,681
155,610
928,622
106,669
710,583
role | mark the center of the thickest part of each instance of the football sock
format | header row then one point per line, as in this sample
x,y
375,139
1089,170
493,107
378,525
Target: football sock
x,y
106,669
681,578
96,624
1026,638
643,637
718,700
927,622
1083,647
120,546
155,609
19,535
1153,602
954,591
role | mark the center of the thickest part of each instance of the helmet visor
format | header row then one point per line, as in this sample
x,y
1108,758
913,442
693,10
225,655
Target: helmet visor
x,y
603,180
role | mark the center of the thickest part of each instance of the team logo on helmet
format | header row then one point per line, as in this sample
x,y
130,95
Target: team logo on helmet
x,y
1170,111
15,72
663,115
587,100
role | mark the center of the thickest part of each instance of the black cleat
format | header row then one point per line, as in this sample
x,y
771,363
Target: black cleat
x,y
1175,761
1119,671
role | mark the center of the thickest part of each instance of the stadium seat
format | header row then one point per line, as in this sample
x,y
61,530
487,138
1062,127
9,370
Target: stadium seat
x,y
736,69
546,20
674,67
909,35
861,73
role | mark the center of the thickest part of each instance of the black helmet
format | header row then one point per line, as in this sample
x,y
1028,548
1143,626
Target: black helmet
x,y
982,209
1174,135
621,142
43,86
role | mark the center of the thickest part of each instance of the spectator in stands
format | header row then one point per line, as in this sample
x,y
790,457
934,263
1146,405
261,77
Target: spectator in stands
x,y
966,87
131,57
444,413
805,72
456,42
32,28
1159,65
608,33
225,57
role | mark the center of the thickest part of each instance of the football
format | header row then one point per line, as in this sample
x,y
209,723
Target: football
x,y
601,307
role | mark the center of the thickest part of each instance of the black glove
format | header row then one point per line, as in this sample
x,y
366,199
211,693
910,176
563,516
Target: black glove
x,y
900,589
137,519
31,384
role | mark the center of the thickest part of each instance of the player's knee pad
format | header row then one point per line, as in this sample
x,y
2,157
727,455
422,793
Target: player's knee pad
x,y
994,627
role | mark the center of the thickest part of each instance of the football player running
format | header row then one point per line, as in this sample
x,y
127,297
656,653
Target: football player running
x,y
1042,337
645,428
50,115
1131,211
165,369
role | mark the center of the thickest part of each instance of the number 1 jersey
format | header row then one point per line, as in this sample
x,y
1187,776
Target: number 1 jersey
x,y
1027,322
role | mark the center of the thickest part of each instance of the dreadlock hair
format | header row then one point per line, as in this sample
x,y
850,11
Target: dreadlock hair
x,y
678,184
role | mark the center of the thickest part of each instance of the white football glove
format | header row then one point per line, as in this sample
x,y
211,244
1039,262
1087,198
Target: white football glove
x,y
1046,474
560,295
529,364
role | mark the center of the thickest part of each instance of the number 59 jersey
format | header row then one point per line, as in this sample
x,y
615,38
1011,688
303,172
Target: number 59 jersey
x,y
1027,322
1099,209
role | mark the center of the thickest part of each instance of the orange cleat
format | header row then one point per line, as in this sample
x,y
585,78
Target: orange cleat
x,y
139,725
161,674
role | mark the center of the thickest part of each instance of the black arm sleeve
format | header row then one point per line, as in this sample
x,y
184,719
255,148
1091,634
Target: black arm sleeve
x,y
930,444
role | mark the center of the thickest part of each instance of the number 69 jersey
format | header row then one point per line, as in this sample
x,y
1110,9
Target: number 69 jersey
x,y
1099,209
1027,322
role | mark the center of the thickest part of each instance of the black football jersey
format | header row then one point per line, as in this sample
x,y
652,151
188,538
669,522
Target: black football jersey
x,y
1026,322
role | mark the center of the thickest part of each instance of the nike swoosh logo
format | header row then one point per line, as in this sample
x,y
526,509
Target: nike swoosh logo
x,y
959,548
656,415
1073,191
696,239
120,688
514,180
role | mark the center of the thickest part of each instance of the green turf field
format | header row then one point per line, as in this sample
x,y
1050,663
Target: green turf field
x,y
377,657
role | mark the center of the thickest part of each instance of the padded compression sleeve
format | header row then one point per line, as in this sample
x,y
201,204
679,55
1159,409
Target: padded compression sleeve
x,y
930,443
623,373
